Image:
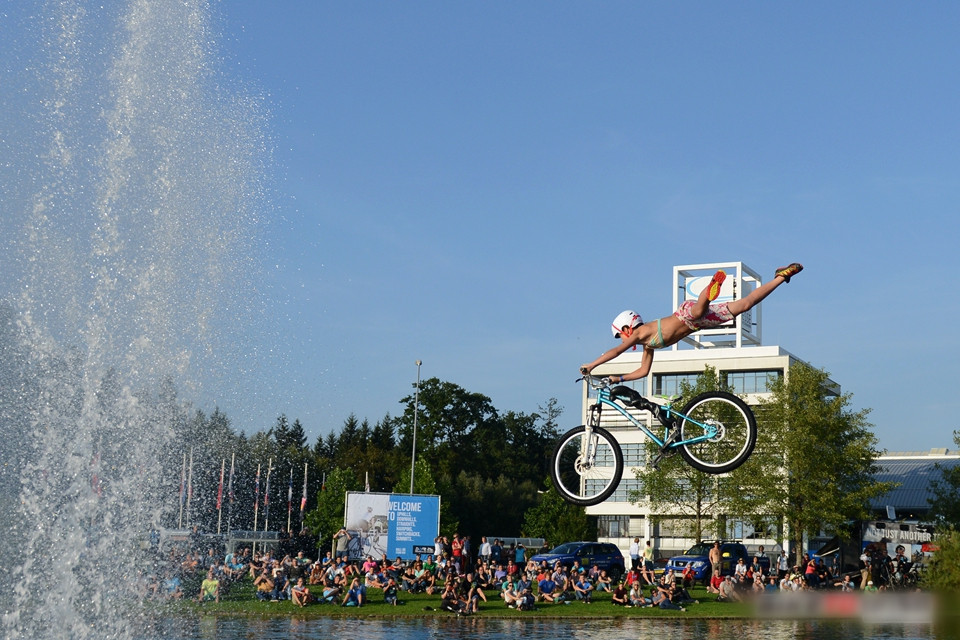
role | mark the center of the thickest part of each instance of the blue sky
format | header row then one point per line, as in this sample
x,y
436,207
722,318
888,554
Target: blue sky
x,y
483,185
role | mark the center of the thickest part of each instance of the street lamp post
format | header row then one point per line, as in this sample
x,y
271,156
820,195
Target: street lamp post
x,y
416,410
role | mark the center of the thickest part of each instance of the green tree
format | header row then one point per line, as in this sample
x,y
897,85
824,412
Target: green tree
x,y
677,488
557,521
945,503
824,462
327,517
943,571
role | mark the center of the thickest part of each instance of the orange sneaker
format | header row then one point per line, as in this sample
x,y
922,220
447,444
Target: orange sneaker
x,y
713,291
789,271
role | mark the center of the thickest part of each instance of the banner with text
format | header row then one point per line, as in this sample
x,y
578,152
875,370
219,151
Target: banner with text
x,y
391,524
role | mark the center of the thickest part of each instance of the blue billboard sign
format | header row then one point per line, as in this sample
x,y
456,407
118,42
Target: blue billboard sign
x,y
391,524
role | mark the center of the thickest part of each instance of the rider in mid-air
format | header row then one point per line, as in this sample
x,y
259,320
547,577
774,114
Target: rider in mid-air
x,y
691,316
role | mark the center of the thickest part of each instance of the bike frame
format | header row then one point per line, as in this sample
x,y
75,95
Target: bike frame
x,y
665,414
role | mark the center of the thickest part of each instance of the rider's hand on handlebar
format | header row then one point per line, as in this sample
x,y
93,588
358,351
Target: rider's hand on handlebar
x,y
585,370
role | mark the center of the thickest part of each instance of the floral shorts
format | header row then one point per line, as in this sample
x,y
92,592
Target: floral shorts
x,y
716,315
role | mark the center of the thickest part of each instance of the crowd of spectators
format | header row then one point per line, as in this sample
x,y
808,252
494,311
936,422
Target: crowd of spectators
x,y
463,581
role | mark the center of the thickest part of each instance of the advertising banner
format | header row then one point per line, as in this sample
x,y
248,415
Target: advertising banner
x,y
391,524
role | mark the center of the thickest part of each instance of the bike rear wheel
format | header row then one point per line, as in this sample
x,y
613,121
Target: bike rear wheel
x,y
585,470
736,432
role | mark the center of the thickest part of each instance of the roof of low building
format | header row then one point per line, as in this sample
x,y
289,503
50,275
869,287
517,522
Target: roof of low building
x,y
913,471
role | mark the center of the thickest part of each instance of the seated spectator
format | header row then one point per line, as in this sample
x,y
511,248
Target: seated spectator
x,y
451,601
636,596
316,573
210,588
281,586
593,572
620,595
390,592
688,576
846,585
583,589
172,587
300,594
508,593
264,585
604,582
740,570
527,600
714,585
331,593
547,590
811,575
355,595
728,592
663,598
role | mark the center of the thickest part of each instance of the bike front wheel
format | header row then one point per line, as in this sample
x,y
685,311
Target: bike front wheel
x,y
586,469
732,424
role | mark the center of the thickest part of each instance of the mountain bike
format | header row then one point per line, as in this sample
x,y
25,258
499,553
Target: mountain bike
x,y
714,433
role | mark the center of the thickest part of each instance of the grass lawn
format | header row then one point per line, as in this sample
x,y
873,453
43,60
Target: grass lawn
x,y
240,601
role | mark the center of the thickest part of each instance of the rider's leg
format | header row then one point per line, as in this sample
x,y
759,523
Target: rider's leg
x,y
708,295
737,307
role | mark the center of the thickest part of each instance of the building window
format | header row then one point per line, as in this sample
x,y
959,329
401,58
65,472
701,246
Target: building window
x,y
613,526
751,381
634,455
668,384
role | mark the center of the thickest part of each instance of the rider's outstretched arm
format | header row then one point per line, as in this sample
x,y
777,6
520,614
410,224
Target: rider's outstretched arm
x,y
645,363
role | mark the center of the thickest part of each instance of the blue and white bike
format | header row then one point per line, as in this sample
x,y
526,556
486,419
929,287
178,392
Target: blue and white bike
x,y
714,433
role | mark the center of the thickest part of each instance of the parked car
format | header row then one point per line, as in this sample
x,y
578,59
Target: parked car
x,y
698,557
603,554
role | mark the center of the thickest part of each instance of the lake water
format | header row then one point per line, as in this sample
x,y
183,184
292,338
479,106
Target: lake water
x,y
233,628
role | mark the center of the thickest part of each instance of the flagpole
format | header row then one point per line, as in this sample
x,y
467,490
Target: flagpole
x,y
223,468
183,489
190,486
233,457
303,500
266,498
256,507
289,499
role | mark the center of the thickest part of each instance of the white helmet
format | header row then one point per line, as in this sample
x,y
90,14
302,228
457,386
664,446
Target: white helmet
x,y
627,318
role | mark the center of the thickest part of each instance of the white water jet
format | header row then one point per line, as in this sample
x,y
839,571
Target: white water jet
x,y
129,195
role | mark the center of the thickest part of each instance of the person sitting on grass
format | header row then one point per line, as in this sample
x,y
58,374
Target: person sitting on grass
x,y
264,585
583,589
331,593
451,601
300,594
636,596
716,580
663,598
547,590
692,315
210,588
620,596
604,582
728,591
390,592
527,600
354,596
508,593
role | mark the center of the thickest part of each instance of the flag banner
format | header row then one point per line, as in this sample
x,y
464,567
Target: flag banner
x,y
220,486
303,498
391,524
230,481
290,493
